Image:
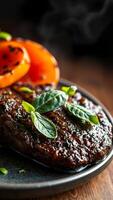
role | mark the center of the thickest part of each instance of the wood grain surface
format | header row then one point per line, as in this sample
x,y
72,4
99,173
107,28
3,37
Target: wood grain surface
x,y
97,79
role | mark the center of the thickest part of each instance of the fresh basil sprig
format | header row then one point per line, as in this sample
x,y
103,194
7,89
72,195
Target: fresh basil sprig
x,y
42,124
50,100
83,114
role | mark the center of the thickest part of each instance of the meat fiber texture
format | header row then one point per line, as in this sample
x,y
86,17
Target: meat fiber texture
x,y
74,148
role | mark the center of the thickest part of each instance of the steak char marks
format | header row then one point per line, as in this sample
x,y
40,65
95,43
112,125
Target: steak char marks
x,y
75,146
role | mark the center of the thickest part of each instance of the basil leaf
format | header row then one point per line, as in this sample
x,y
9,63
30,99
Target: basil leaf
x,y
5,36
28,107
44,125
69,90
25,89
82,113
50,100
3,170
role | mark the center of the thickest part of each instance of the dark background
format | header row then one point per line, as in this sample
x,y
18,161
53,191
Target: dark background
x,y
73,27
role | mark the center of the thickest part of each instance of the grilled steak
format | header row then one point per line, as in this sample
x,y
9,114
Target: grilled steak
x,y
75,146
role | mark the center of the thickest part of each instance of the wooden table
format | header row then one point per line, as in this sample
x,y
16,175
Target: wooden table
x,y
97,79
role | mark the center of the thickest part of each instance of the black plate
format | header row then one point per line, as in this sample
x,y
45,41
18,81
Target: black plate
x,y
40,181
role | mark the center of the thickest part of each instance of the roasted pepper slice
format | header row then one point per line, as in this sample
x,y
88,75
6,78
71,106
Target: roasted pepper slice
x,y
14,62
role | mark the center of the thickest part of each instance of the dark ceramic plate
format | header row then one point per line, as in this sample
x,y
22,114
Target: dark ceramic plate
x,y
38,180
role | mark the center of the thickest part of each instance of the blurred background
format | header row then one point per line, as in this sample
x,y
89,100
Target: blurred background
x,y
79,33
80,27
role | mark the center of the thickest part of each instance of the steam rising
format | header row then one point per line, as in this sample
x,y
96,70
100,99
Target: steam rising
x,y
81,22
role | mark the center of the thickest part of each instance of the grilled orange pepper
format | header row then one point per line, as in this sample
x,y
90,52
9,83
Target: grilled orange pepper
x,y
44,68
14,62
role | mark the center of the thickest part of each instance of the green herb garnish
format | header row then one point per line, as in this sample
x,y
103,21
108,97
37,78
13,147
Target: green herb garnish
x,y
3,171
69,90
5,36
25,89
50,100
82,113
44,125
28,107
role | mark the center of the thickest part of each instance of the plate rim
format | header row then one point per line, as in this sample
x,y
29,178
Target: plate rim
x,y
71,177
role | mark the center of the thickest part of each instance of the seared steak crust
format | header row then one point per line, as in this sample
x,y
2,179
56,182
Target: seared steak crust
x,y
75,145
